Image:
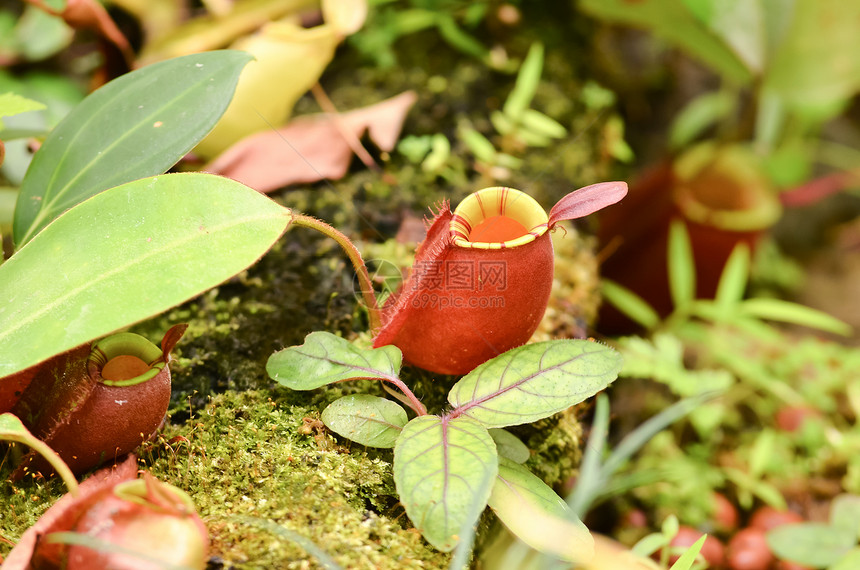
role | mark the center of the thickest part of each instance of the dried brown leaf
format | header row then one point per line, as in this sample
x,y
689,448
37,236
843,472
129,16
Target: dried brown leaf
x,y
311,148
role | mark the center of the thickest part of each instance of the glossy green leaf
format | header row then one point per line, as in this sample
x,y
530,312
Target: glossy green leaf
x,y
365,419
682,266
540,518
788,312
810,543
534,381
510,446
442,466
325,359
125,255
138,125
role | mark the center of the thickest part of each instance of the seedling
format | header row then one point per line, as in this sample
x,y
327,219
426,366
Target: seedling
x,y
448,467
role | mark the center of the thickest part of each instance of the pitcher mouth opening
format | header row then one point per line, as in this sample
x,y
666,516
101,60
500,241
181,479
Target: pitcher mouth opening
x,y
124,359
497,218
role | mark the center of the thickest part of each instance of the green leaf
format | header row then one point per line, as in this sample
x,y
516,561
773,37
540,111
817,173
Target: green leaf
x,y
534,381
788,312
442,466
629,303
845,513
850,561
698,115
814,61
682,266
733,280
365,419
540,518
325,359
11,429
510,446
524,89
686,560
761,452
590,479
810,543
673,21
478,144
670,526
138,125
126,255
662,359
649,544
542,125
13,104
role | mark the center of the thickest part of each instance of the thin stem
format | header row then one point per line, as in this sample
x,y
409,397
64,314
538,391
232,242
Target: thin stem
x,y
354,256
414,402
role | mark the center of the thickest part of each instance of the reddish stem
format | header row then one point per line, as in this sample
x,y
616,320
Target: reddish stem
x,y
354,256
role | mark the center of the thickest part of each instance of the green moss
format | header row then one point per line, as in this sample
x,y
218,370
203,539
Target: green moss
x,y
23,503
248,455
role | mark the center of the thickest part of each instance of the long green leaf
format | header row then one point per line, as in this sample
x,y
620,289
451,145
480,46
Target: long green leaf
x,y
137,125
686,560
127,254
682,266
365,419
629,303
534,381
539,517
788,312
526,85
325,359
443,466
733,280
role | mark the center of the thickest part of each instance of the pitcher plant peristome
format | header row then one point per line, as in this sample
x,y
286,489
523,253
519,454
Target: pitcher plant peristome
x,y
482,277
97,402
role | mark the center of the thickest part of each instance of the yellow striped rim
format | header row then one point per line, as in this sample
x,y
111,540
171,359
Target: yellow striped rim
x,y
497,201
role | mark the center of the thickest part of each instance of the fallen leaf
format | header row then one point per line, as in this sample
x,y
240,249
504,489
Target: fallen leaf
x,y
311,148
91,15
